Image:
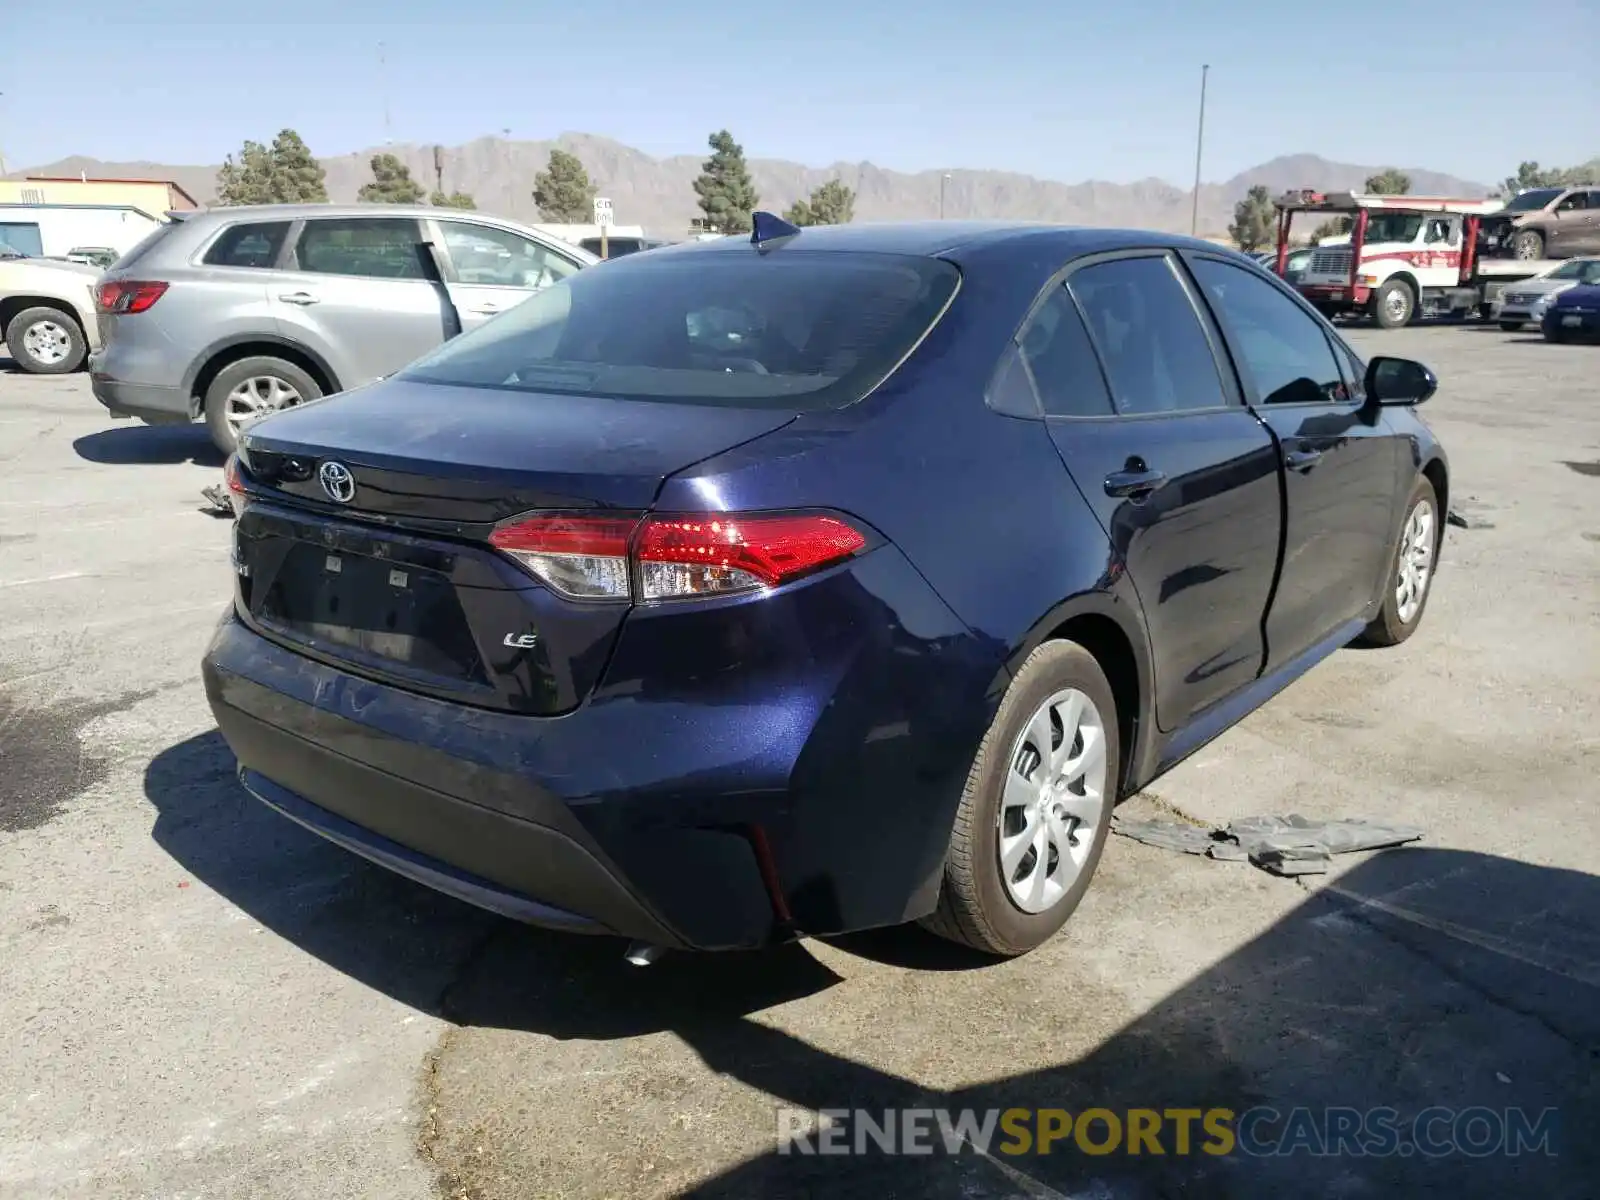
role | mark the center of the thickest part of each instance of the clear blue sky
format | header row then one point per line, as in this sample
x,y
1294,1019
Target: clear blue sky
x,y
1048,87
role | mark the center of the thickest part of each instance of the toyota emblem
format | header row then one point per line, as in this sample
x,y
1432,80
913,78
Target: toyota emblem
x,y
337,481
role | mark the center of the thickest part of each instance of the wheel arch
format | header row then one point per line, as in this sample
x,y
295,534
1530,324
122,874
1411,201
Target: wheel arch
x,y
220,355
1110,629
14,306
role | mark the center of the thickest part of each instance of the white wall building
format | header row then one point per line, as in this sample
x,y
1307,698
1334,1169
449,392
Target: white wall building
x,y
54,229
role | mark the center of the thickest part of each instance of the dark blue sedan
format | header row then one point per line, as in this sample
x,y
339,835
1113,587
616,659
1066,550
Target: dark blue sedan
x,y
829,579
1575,313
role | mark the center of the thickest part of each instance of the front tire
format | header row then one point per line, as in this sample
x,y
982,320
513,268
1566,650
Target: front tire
x,y
1410,580
250,388
46,341
1036,811
1394,304
1511,326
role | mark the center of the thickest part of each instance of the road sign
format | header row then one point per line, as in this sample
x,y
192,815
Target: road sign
x,y
602,212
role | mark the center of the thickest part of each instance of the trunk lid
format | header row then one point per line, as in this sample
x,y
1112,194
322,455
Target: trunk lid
x,y
398,581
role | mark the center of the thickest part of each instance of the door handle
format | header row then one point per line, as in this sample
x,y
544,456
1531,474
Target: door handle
x,y
298,298
1301,458
1134,484
485,310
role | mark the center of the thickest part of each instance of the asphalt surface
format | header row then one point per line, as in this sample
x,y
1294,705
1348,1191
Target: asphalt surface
x,y
197,999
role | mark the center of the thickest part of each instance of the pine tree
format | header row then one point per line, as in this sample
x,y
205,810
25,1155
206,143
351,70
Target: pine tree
x,y
391,183
285,173
1255,220
830,204
453,200
563,191
1389,182
727,196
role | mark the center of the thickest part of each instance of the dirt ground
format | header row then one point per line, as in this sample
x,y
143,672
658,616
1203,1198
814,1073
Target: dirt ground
x,y
199,999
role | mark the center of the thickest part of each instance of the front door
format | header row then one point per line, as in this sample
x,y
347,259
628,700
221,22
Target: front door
x,y
355,293
494,269
1182,477
1340,457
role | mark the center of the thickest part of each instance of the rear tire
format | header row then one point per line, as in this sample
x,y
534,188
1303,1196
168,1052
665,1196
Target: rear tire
x,y
1511,326
1412,566
1394,304
46,341
1528,244
1066,795
1553,333
273,383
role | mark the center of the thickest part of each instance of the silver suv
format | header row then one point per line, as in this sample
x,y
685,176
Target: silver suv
x,y
232,313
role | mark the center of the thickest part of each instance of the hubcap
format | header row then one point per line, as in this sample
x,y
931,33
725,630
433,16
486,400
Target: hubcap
x,y
256,397
1397,303
47,342
1053,798
1416,562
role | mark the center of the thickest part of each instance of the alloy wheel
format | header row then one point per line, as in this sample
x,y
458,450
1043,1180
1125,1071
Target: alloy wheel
x,y
47,342
256,397
1416,562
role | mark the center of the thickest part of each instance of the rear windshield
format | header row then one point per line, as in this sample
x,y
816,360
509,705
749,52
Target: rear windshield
x,y
797,330
143,245
1533,199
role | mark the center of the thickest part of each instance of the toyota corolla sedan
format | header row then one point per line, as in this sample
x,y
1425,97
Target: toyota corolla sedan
x,y
826,579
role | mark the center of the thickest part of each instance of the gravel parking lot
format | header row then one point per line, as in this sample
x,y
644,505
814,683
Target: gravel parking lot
x,y
201,1000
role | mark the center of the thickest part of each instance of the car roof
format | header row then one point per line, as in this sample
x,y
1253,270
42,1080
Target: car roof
x,y
962,239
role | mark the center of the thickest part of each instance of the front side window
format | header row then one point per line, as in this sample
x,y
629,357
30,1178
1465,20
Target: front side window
x,y
483,254
374,247
1284,351
1155,350
252,245
792,330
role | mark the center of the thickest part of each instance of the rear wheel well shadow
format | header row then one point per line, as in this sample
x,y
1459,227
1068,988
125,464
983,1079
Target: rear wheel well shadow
x,y
1103,638
232,354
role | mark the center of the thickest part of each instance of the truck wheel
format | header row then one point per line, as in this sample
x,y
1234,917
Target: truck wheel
x,y
1511,326
1528,244
46,341
1393,304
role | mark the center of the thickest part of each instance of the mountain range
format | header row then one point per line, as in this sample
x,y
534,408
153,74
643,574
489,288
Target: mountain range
x,y
658,193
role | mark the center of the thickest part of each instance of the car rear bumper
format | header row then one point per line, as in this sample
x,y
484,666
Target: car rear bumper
x,y
155,405
813,795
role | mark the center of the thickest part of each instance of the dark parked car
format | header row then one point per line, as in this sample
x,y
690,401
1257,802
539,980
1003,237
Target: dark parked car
x,y
816,581
1575,313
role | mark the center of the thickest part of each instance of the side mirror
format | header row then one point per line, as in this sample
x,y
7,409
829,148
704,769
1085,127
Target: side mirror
x,y
1399,381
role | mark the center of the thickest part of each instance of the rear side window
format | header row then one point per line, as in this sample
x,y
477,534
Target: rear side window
x,y
375,247
792,330
1065,371
1282,349
1155,351
253,245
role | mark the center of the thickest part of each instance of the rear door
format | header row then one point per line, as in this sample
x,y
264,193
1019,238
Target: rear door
x,y
354,292
1341,458
493,269
1181,475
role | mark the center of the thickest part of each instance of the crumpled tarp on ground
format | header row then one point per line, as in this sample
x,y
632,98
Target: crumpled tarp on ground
x,y
1291,845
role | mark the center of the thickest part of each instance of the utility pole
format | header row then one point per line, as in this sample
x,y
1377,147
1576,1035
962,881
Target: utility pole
x,y
383,87
438,169
1199,145
943,179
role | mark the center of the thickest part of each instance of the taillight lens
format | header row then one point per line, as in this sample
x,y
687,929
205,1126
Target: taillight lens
x,y
230,472
677,556
580,556
125,296
715,555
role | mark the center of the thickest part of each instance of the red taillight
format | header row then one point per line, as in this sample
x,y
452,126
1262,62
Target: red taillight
x,y
124,296
677,555
230,472
696,555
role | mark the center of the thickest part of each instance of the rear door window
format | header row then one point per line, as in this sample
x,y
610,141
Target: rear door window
x,y
791,330
1066,373
372,247
1156,353
257,244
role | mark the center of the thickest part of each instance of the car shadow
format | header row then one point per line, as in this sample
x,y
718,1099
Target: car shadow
x,y
1423,981
126,445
